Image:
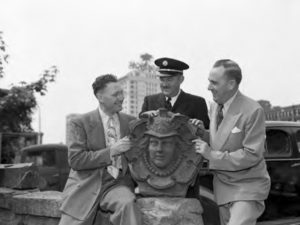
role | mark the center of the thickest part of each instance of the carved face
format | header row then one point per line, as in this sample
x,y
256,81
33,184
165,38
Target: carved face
x,y
162,151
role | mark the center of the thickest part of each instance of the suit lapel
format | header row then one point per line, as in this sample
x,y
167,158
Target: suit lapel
x,y
221,134
96,130
123,125
213,122
179,101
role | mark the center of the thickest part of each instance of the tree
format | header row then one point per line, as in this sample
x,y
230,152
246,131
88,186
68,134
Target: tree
x,y
3,55
18,105
144,65
265,104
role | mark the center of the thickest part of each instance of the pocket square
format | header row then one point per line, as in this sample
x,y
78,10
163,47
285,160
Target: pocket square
x,y
235,130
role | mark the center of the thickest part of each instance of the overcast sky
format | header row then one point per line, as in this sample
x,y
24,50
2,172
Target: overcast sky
x,y
88,38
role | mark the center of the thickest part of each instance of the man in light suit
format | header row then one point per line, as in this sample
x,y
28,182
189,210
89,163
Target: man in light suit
x,y
99,178
172,97
236,147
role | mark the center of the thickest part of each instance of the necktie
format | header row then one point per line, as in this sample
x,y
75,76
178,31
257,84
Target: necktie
x,y
111,139
168,104
220,115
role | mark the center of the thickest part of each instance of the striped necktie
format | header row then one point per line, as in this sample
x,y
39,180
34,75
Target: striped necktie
x,y
112,138
220,115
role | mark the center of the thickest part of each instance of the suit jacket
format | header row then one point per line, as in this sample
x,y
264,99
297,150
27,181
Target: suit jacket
x,y
186,104
88,157
237,151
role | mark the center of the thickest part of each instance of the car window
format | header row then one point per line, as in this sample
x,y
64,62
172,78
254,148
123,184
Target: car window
x,y
278,143
298,139
41,158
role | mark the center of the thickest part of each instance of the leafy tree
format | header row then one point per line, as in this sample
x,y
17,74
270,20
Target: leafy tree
x,y
265,104
144,65
3,55
18,105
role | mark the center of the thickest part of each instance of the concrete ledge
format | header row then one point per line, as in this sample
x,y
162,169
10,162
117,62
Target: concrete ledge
x,y
7,217
30,207
42,208
36,220
6,195
45,203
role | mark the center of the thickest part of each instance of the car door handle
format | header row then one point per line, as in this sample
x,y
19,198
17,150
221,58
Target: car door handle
x,y
295,164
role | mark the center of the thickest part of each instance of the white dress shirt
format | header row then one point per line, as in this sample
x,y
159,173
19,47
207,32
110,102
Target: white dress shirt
x,y
173,99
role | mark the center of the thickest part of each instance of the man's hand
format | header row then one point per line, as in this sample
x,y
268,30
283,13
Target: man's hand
x,y
150,113
197,123
200,126
201,146
121,146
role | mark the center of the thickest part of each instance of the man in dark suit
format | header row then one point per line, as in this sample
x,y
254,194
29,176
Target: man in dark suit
x,y
98,178
171,96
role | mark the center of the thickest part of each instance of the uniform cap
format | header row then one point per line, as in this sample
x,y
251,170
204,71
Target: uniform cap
x,y
170,67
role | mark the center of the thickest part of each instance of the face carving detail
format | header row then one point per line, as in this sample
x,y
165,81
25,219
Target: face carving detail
x,y
162,151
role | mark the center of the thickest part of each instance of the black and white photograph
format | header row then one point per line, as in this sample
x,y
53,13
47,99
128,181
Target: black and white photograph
x,y
135,112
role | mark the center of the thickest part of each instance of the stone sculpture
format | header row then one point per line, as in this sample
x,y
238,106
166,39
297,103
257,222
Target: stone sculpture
x,y
163,161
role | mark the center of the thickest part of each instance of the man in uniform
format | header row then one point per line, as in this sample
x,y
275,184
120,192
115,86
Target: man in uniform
x,y
172,97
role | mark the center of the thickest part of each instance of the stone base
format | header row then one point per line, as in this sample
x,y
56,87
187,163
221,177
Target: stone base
x,y
171,211
36,220
7,217
42,208
30,207
44,203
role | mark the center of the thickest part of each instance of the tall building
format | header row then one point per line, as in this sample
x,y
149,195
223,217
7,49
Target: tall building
x,y
137,85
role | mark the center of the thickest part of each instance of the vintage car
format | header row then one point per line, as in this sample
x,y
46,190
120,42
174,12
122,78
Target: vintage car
x,y
283,161
52,163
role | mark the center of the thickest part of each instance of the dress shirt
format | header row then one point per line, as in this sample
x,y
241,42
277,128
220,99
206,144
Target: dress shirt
x,y
105,118
173,99
227,104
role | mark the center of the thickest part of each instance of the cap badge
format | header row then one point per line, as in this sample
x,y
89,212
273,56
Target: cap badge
x,y
165,63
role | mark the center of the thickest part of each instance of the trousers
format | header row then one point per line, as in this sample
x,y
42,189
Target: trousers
x,y
119,202
241,212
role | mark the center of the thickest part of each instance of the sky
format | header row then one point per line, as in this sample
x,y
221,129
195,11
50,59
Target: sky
x,y
85,39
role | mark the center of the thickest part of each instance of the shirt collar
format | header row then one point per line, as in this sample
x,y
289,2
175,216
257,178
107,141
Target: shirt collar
x,y
173,99
104,116
227,104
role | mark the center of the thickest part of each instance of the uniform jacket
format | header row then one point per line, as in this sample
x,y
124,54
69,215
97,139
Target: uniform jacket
x,y
237,151
189,105
88,156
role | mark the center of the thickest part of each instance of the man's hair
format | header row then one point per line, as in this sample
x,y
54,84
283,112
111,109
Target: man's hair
x,y
101,82
232,69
